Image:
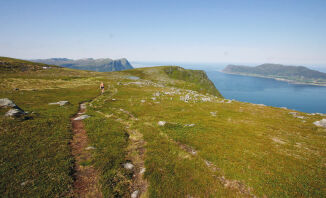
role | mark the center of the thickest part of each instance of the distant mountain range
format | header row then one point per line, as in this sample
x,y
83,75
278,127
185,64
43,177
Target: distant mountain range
x,y
292,74
100,65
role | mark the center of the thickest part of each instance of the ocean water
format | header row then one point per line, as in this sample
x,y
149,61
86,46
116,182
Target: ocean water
x,y
305,98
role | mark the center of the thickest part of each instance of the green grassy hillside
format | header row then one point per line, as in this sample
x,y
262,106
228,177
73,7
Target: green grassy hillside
x,y
183,138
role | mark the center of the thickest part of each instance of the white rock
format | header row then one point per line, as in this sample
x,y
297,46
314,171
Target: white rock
x,y
82,117
157,94
213,113
89,148
161,123
128,166
135,194
206,99
61,103
83,106
15,113
142,170
189,125
143,101
321,123
5,102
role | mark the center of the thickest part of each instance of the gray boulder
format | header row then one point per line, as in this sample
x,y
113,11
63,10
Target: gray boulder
x,y
5,103
15,113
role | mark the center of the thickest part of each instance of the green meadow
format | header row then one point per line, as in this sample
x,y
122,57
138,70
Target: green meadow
x,y
171,123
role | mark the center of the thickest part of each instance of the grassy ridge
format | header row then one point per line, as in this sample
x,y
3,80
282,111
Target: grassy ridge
x,y
197,78
245,141
263,149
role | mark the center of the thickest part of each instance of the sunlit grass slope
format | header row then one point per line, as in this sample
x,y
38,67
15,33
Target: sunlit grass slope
x,y
35,158
208,146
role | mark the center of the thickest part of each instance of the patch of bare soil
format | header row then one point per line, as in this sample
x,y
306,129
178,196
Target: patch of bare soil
x,y
86,179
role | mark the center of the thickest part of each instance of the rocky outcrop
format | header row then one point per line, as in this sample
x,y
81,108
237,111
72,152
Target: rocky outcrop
x,y
14,110
6,103
321,123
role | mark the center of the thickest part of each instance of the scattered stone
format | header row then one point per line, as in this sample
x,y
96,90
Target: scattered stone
x,y
15,113
321,123
143,101
153,98
128,166
284,108
295,114
213,113
135,194
24,183
262,105
185,98
61,103
277,140
161,123
157,94
89,148
82,117
113,99
142,170
206,99
189,125
5,102
321,114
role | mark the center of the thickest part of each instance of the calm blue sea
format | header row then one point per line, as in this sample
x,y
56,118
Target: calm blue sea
x,y
306,98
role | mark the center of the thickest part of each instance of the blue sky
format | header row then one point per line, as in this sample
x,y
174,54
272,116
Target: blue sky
x,y
243,31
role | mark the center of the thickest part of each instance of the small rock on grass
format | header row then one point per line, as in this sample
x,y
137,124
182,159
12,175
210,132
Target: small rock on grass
x,y
82,117
135,194
60,103
161,123
89,148
128,166
213,113
189,125
142,170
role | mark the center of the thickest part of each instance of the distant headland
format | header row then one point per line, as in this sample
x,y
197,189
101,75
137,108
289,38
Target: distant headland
x,y
290,74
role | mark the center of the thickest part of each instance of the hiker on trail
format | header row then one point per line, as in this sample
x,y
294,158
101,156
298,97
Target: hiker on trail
x,y
102,87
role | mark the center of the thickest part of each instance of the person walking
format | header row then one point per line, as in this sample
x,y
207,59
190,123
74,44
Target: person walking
x,y
102,87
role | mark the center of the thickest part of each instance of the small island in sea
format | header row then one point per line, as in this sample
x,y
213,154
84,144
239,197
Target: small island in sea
x,y
291,74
